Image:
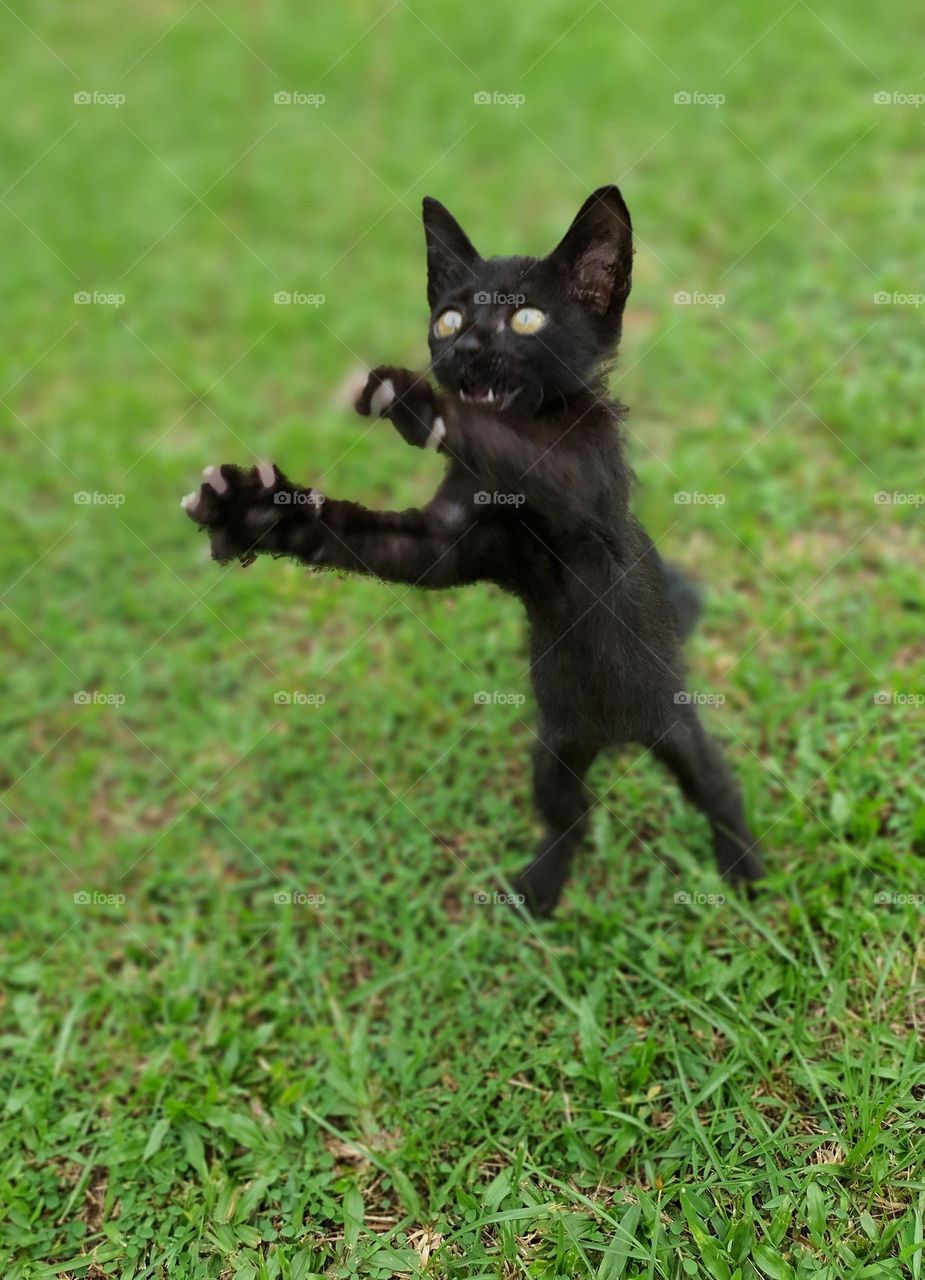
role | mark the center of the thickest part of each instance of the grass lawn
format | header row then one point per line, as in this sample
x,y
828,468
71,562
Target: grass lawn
x,y
262,1014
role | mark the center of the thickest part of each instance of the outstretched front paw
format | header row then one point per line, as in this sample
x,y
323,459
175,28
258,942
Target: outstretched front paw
x,y
252,511
408,400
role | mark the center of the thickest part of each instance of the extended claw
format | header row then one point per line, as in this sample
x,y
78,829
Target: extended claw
x,y
214,477
437,434
382,398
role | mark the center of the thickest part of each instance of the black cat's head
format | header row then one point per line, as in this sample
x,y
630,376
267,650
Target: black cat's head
x,y
531,333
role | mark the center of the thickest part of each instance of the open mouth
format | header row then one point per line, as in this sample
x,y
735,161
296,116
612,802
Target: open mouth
x,y
501,396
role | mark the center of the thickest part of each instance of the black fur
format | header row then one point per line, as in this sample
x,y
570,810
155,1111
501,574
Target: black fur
x,y
606,617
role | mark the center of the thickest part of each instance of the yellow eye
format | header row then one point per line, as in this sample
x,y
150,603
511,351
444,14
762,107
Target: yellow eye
x,y
528,320
448,323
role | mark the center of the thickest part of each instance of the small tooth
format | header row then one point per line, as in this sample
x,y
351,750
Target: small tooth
x,y
189,500
214,477
491,395
463,396
267,474
382,397
437,434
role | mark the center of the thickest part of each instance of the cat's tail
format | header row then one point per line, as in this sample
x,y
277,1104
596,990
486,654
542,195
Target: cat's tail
x,y
686,598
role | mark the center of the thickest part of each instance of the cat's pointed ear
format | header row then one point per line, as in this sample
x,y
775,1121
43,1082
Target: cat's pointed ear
x,y
597,251
451,255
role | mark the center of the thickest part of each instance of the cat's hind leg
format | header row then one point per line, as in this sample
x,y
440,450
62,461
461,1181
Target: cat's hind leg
x,y
564,803
698,763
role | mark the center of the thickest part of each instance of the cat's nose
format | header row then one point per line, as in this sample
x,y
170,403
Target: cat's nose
x,y
471,340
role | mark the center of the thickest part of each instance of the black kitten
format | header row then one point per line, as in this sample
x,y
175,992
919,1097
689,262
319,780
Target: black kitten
x,y
536,499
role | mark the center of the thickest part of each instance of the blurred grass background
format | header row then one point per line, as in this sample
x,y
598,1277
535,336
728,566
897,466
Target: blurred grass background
x,y
201,1081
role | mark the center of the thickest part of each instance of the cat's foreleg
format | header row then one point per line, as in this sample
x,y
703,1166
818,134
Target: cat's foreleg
x,y
409,402
414,547
500,452
259,511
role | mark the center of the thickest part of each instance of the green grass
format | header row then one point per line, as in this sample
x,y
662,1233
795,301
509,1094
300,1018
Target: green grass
x,y
200,1081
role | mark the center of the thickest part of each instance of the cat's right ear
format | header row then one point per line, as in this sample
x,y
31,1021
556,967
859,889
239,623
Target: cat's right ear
x,y
451,255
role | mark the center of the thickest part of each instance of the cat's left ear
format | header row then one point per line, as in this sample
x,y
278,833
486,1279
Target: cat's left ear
x,y
597,252
451,255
